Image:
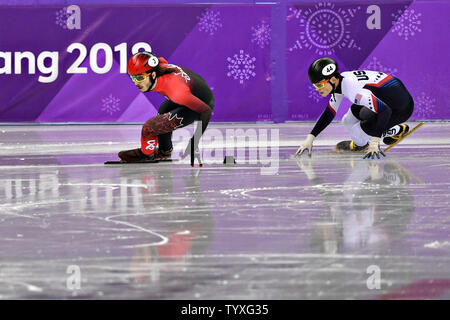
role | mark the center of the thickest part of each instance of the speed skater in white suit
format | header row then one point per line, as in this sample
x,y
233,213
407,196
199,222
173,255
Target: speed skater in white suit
x,y
381,105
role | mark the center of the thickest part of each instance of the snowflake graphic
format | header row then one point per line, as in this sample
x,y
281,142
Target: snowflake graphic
x,y
261,34
324,28
210,22
61,18
406,23
424,106
313,93
375,65
241,66
110,104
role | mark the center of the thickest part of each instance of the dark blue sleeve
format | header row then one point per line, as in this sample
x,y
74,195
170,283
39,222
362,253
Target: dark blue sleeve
x,y
324,120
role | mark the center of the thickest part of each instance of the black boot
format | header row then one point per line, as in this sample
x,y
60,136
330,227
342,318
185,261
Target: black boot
x,y
162,155
390,140
350,146
134,155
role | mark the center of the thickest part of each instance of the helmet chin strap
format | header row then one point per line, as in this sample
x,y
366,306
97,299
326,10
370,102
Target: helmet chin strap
x,y
152,84
334,89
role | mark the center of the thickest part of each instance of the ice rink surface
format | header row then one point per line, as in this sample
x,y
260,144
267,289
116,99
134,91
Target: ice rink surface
x,y
333,226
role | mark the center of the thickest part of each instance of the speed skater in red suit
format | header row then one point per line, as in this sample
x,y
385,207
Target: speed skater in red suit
x,y
189,98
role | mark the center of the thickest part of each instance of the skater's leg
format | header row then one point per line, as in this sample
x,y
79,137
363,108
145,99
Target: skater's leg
x,y
165,139
358,135
165,143
163,125
397,127
349,119
160,127
352,123
359,141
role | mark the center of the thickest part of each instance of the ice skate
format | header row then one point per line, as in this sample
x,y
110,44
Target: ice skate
x,y
162,155
390,140
134,155
350,146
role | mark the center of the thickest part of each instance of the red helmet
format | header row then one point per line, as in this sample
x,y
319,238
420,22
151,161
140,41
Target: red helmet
x,y
142,62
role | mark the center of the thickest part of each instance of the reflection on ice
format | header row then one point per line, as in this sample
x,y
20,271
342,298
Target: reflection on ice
x,y
168,231
370,208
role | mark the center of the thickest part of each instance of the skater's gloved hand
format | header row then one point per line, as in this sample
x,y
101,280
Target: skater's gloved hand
x,y
306,145
374,149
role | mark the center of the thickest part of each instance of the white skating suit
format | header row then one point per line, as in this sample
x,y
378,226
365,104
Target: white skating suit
x,y
380,101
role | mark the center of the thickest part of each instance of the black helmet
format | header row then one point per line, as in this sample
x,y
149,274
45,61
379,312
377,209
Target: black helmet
x,y
321,69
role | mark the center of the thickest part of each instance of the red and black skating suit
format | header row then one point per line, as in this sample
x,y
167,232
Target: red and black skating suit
x,y
189,98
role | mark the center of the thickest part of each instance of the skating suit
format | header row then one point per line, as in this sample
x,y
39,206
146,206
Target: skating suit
x,y
379,100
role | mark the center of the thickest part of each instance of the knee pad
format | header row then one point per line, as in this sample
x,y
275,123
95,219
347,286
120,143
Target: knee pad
x,y
369,127
366,114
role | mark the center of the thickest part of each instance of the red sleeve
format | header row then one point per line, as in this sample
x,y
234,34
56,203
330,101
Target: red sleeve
x,y
178,91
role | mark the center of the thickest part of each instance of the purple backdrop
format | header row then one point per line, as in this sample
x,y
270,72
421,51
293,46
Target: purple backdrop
x,y
254,56
407,45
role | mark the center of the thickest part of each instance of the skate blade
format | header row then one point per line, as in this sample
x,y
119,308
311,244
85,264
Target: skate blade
x,y
343,152
141,162
336,150
407,134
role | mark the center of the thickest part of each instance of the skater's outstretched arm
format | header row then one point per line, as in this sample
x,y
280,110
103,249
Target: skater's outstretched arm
x,y
325,119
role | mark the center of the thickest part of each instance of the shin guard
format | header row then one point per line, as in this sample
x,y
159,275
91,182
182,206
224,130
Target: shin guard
x,y
148,144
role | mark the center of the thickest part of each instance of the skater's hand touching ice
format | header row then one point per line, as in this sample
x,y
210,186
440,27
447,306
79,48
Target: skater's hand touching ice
x,y
306,145
374,149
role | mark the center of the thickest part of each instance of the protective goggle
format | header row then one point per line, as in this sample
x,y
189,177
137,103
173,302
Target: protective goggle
x,y
140,77
321,84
